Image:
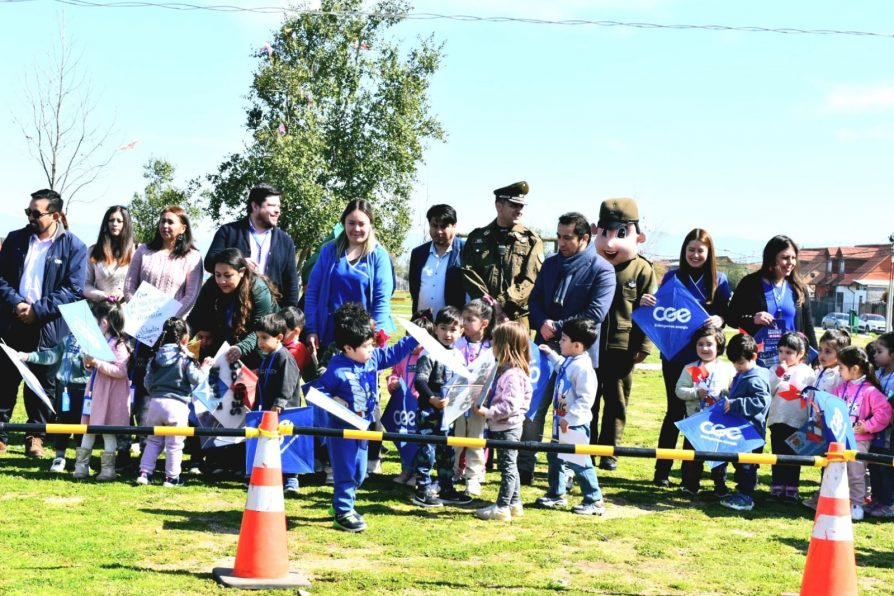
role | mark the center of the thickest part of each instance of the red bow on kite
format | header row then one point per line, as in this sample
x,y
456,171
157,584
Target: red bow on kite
x,y
698,373
791,394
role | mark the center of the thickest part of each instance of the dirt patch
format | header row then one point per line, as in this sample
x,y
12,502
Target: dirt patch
x,y
63,501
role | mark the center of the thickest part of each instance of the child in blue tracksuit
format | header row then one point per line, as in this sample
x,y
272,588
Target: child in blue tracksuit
x,y
351,380
749,397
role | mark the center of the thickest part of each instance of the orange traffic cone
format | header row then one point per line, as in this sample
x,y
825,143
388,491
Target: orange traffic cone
x,y
831,567
262,557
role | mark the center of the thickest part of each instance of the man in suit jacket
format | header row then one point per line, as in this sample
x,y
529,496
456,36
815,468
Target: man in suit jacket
x,y
42,266
436,277
267,248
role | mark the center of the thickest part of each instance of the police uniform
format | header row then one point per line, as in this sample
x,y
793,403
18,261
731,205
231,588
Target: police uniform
x,y
621,338
504,262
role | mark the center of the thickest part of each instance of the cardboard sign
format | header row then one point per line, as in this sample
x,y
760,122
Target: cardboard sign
x,y
28,376
462,393
83,326
146,312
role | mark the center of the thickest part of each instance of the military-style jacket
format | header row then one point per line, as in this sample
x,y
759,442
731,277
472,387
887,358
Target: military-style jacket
x,y
634,278
509,277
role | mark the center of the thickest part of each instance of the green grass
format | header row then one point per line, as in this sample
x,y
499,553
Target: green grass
x,y
61,536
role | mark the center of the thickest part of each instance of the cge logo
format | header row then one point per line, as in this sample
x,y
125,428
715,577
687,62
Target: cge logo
x,y
670,314
733,433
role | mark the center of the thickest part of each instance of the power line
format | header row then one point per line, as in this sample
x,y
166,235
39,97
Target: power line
x,y
184,6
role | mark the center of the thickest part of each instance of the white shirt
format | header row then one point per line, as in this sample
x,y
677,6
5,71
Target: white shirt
x,y
31,284
259,243
433,280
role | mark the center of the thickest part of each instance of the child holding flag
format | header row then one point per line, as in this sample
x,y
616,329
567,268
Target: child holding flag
x,y
749,397
701,384
573,398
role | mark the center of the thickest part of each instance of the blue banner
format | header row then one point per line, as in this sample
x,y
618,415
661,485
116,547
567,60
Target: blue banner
x,y
400,417
297,450
767,338
837,426
674,318
719,432
540,373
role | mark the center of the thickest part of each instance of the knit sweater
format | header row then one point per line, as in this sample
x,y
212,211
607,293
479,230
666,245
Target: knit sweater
x,y
512,398
784,410
720,376
179,278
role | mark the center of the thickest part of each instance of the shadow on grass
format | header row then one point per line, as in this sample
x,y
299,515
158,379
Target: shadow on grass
x,y
224,521
181,572
866,556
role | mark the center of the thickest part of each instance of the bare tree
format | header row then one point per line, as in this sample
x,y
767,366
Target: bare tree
x,y
62,131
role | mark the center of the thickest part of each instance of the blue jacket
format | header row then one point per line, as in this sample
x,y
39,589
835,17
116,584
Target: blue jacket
x,y
749,397
281,263
319,303
63,281
589,296
454,290
357,384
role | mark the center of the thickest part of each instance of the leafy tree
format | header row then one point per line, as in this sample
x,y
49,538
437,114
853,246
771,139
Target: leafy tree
x,y
160,192
337,113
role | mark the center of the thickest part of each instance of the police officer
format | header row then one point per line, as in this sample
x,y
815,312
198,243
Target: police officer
x,y
502,260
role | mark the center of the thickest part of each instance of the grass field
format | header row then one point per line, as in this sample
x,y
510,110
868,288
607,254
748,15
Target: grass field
x,y
62,536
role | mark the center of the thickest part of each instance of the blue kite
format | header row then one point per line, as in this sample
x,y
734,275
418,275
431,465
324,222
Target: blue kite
x,y
297,450
400,417
540,373
716,431
676,316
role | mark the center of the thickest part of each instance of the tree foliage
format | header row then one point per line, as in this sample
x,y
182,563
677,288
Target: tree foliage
x,y
337,113
160,192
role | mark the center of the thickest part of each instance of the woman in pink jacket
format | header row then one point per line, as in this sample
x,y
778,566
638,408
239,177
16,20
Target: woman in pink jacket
x,y
870,413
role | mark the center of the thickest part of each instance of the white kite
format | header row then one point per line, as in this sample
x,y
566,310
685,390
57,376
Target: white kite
x,y
435,350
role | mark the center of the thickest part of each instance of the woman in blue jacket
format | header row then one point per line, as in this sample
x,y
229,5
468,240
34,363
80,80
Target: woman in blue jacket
x,y
352,268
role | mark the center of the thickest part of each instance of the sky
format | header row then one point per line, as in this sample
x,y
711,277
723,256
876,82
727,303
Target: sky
x,y
747,135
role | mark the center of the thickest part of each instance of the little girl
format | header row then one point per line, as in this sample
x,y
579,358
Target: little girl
x,y
787,414
703,383
881,478
475,343
869,411
506,412
107,400
406,370
170,379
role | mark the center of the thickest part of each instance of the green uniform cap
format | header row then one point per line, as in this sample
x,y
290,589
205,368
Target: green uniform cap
x,y
514,192
615,213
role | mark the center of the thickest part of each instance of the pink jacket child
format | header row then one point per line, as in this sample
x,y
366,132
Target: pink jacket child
x,y
865,404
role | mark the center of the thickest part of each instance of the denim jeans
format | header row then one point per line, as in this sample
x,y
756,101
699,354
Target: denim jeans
x,y
510,484
585,475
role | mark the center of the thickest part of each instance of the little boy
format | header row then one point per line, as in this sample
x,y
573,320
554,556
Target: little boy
x,y
573,400
351,380
279,378
294,318
749,397
431,377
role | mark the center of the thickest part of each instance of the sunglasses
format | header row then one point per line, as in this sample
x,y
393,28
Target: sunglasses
x,y
34,213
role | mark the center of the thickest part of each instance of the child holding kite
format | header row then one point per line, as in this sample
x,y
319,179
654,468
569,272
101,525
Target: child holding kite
x,y
505,413
788,412
701,384
107,400
870,413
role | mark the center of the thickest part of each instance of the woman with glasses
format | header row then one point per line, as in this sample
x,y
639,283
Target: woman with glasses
x,y
109,259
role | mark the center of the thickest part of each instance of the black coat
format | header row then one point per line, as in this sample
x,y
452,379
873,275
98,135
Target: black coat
x,y
454,291
749,298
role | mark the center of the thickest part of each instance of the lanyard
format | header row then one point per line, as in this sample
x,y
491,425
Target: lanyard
x,y
260,245
855,401
264,371
696,285
470,356
779,297
887,382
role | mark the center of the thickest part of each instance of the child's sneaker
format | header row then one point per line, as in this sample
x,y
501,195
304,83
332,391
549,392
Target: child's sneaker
x,y
517,510
291,487
143,479
58,465
791,495
871,506
551,502
473,487
721,491
454,497
857,513
777,491
883,511
688,492
426,499
374,466
174,482
593,508
738,501
349,522
494,513
330,479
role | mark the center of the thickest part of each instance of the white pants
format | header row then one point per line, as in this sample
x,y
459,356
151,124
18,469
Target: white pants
x,y
471,428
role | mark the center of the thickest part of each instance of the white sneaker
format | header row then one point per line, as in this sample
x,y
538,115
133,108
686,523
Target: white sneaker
x,y
374,466
857,513
494,513
58,465
517,510
473,487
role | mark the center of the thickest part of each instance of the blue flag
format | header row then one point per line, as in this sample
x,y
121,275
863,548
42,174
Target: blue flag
x,y
837,426
297,450
540,373
719,432
674,318
400,417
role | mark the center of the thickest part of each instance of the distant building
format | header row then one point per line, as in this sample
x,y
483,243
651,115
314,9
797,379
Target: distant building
x,y
845,278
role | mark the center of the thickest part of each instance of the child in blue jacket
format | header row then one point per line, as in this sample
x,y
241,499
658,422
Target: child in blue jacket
x,y
749,397
351,380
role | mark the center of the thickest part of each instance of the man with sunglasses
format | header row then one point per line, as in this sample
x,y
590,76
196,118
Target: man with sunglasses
x,y
41,267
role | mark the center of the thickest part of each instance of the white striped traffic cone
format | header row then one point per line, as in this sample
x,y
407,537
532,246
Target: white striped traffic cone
x,y
831,568
262,557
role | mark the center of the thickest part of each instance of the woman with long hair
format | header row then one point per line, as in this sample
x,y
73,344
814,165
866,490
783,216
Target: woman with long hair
x,y
698,272
109,259
352,268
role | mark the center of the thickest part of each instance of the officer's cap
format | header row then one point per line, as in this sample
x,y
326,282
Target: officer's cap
x,y
617,213
514,192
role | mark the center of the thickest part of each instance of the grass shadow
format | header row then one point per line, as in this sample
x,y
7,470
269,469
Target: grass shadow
x,y
225,521
177,572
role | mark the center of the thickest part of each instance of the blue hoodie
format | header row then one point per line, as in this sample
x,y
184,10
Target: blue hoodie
x,y
749,396
172,373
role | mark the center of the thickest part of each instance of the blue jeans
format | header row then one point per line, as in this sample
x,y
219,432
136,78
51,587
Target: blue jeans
x,y
348,460
585,475
428,423
745,475
510,483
